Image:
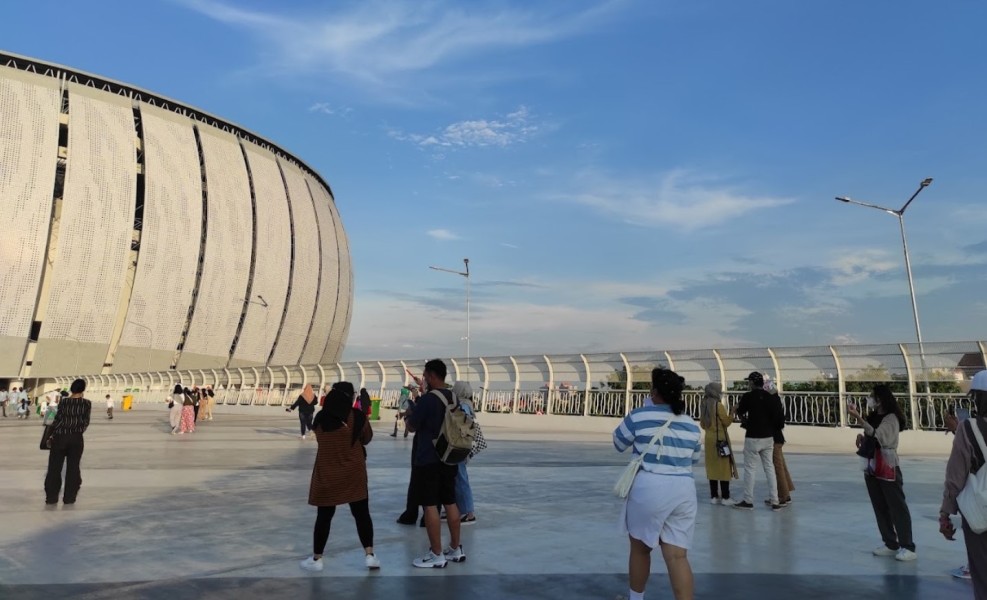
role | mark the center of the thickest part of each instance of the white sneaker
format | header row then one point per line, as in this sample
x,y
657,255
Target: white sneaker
x,y
430,561
310,564
905,555
715,501
373,563
456,556
884,551
303,437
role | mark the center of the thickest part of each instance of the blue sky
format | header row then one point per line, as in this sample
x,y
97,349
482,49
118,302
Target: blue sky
x,y
622,174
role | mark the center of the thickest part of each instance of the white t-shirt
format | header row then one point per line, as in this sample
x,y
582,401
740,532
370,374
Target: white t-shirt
x,y
109,403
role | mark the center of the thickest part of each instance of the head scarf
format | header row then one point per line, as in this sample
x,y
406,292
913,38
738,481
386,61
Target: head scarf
x,y
308,393
337,409
464,392
711,397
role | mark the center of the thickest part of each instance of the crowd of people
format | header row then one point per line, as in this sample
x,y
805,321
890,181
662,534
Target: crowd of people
x,y
661,506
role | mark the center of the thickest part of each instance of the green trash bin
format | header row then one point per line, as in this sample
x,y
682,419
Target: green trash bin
x,y
375,409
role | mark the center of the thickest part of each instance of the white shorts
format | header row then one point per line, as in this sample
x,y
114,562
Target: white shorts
x,y
661,508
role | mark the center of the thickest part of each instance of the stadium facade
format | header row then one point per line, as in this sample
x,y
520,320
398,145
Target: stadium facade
x,y
140,234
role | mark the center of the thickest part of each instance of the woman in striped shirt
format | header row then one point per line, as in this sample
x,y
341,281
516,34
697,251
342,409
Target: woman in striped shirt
x,y
71,421
661,506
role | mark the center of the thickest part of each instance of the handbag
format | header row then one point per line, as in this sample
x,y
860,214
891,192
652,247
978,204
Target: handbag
x,y
880,468
46,437
722,446
626,480
868,447
479,442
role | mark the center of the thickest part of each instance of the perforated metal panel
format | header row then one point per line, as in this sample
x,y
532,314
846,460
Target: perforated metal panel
x,y
329,284
305,278
169,250
96,225
344,303
272,267
226,266
29,107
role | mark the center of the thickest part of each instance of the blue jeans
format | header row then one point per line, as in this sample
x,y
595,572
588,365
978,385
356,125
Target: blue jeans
x,y
464,495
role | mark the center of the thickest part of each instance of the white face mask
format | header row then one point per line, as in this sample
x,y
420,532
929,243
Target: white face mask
x,y
871,403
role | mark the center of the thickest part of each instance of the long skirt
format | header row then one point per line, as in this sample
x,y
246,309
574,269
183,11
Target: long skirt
x,y
187,423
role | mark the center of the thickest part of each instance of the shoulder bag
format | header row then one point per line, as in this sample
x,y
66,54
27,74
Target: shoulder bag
x,y
46,437
623,486
972,499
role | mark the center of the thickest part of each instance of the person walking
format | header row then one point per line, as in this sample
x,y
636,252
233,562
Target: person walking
x,y
109,407
339,475
67,445
660,509
404,403
3,403
886,489
762,415
186,423
720,468
306,409
966,457
209,399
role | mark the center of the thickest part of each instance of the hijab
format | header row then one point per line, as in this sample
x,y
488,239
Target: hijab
x,y
711,397
308,393
337,410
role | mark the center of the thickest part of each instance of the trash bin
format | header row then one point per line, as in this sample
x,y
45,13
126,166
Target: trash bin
x,y
375,409
127,403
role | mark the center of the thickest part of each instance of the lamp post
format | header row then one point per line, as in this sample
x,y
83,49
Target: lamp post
x,y
900,214
466,274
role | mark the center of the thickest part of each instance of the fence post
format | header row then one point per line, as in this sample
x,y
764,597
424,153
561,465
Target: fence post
x,y
551,385
912,399
840,386
588,387
628,385
517,385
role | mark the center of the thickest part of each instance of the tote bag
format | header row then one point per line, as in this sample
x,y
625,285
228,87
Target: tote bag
x,y
626,480
972,499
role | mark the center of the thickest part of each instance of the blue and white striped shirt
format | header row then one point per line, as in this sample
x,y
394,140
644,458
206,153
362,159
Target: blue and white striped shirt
x,y
680,443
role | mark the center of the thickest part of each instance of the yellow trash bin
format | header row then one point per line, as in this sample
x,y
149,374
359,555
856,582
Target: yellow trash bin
x,y
127,403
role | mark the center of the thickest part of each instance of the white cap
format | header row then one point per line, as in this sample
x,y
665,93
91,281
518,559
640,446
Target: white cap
x,y
979,381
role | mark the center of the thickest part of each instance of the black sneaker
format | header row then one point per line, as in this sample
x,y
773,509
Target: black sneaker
x,y
744,505
777,507
407,519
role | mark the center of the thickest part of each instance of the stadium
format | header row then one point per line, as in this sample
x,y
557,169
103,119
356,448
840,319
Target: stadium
x,y
142,234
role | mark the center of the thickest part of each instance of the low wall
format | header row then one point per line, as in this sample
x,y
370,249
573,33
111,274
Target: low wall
x,y
812,440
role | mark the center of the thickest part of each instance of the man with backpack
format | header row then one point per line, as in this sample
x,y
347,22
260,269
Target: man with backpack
x,y
434,468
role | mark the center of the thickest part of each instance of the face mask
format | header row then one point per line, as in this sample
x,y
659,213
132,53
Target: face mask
x,y
871,403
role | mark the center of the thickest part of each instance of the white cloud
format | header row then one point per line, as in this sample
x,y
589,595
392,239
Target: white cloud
x,y
854,266
512,246
443,235
327,109
678,198
513,128
377,41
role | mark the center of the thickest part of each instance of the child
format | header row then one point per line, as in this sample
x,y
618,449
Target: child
x,y
109,407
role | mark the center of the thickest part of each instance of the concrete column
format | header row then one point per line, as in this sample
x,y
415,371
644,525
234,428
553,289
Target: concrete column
x,y
550,393
517,385
486,383
587,386
628,384
912,392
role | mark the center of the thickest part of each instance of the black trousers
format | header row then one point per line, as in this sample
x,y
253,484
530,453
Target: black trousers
x,y
724,489
894,521
361,514
305,420
65,450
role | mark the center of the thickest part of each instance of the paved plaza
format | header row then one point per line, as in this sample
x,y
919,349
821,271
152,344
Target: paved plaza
x,y
223,514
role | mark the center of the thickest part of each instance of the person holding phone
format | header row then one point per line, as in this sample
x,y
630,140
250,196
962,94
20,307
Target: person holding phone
x,y
887,496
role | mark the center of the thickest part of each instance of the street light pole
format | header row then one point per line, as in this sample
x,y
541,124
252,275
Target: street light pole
x,y
466,274
900,214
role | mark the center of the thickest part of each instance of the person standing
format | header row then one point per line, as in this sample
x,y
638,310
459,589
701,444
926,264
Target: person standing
x,y
306,409
887,496
715,420
109,407
436,481
67,445
763,416
3,403
175,408
340,472
186,423
784,478
404,402
463,392
661,507
208,397
967,457
365,403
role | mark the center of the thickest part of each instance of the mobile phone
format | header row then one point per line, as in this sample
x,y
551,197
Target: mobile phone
x,y
962,414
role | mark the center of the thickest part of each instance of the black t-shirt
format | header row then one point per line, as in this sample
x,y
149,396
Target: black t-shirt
x,y
763,413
